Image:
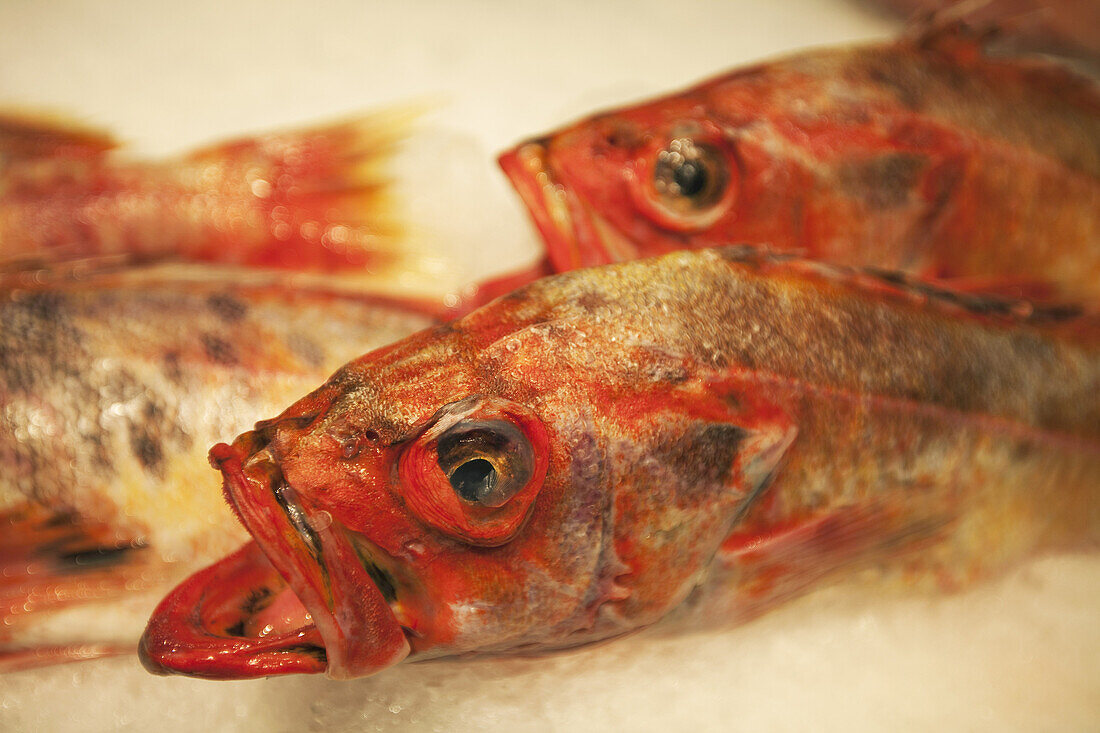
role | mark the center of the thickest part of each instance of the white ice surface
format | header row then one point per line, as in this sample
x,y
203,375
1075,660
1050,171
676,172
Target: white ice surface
x,y
1021,654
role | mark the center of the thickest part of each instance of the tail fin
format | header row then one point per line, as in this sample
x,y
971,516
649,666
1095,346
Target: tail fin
x,y
1063,28
314,199
311,200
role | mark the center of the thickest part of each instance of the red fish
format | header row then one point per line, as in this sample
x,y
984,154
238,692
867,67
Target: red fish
x,y
310,200
923,155
702,433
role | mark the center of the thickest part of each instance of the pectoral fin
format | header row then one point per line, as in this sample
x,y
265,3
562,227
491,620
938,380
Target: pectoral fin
x,y
774,563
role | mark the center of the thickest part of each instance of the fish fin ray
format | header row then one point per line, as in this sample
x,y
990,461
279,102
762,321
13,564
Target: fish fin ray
x,y
777,562
317,200
961,34
17,659
324,191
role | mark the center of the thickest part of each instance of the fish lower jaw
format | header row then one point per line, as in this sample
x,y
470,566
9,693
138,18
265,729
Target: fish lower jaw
x,y
236,619
296,600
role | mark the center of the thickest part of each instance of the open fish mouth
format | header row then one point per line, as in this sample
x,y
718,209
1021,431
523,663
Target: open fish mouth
x,y
299,599
575,235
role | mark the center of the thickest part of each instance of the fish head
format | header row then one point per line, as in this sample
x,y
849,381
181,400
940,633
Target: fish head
x,y
689,170
473,488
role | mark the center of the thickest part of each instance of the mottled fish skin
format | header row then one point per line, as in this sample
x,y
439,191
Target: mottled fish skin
x,y
111,392
1069,28
712,430
923,155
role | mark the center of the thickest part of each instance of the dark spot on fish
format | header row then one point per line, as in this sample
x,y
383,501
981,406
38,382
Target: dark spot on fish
x,y
172,369
622,135
219,350
61,519
668,374
739,253
907,85
383,581
148,451
752,255
307,650
703,455
592,301
885,181
39,343
98,558
1064,312
257,600
227,307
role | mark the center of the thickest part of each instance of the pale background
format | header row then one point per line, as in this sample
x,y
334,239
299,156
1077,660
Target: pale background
x,y
1019,654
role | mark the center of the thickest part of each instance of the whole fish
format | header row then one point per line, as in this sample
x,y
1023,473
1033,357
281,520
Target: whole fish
x,y
923,155
311,200
111,391
705,432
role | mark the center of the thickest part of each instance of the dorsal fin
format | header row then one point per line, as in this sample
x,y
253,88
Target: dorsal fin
x,y
1068,29
902,287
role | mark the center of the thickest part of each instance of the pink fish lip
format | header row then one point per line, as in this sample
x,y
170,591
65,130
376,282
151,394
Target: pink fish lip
x,y
184,635
565,223
336,618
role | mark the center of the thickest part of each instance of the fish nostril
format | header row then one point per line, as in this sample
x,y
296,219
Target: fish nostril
x,y
273,435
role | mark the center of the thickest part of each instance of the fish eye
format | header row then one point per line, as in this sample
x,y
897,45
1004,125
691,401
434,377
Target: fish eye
x,y
689,176
689,184
485,461
474,469
474,480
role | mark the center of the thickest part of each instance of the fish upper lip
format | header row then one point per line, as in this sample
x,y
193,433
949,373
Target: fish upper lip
x,y
349,629
360,631
576,235
547,201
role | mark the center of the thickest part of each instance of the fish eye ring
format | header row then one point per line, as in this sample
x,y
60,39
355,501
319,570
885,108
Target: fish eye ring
x,y
687,184
474,470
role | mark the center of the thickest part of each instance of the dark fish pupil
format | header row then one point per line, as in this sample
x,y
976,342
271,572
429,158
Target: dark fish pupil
x,y
474,480
690,178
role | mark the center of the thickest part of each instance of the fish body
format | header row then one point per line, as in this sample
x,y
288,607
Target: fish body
x,y
611,447
923,155
111,391
312,200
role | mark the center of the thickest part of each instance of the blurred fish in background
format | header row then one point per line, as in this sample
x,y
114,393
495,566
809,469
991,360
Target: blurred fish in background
x,y
117,374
